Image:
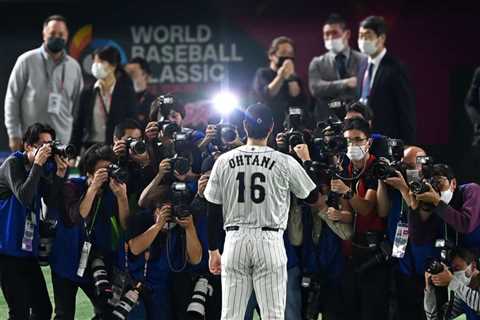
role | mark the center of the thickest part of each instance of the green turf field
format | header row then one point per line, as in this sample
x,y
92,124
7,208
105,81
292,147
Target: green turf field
x,y
84,308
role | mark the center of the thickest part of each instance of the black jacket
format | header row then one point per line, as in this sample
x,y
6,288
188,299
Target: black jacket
x,y
122,106
392,100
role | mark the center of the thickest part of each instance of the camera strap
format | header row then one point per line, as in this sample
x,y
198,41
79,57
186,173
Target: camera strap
x,y
94,219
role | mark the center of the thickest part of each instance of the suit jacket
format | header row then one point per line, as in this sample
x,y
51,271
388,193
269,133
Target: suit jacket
x,y
122,106
392,101
325,83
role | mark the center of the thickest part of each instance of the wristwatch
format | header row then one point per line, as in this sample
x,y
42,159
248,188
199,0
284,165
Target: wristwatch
x,y
348,195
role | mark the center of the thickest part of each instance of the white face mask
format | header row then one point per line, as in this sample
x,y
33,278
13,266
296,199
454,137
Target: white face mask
x,y
335,45
368,47
355,153
464,276
99,70
446,196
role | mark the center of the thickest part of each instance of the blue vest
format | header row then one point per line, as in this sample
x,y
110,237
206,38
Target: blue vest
x,y
12,223
67,246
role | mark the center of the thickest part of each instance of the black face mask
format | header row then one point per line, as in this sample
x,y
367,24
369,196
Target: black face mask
x,y
281,60
55,44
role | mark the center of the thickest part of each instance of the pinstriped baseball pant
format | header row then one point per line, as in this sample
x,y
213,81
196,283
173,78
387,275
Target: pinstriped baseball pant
x,y
254,259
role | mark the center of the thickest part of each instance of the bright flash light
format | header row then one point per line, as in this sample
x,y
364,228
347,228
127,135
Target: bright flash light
x,y
225,102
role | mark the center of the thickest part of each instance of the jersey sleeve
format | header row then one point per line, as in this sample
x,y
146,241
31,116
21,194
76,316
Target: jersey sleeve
x,y
299,182
213,191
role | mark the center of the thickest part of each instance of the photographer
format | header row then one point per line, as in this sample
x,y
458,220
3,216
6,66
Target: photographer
x,y
153,236
23,185
278,86
170,114
458,206
366,285
463,282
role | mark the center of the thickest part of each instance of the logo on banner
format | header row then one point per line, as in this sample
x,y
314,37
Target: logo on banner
x,y
84,44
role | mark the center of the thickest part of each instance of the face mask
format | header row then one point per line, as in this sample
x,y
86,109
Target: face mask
x,y
368,47
355,153
335,45
446,196
138,86
464,276
99,70
55,44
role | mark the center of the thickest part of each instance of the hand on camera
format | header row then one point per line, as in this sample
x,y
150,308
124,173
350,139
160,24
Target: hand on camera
x,y
62,166
162,215
443,278
151,131
99,178
42,155
164,167
119,189
302,152
397,182
338,186
430,196
334,214
186,223
120,148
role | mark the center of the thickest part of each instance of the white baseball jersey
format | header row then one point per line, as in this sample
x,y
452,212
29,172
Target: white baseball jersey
x,y
253,183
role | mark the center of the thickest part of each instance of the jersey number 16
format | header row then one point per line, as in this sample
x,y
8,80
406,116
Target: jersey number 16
x,y
257,191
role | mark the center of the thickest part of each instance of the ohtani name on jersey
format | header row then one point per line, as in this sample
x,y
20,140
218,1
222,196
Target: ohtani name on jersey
x,y
251,160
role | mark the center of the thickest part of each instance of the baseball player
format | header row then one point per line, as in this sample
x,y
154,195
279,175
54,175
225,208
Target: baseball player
x,y
252,186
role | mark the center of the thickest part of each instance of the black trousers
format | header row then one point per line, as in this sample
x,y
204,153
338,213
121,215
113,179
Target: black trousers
x,y
65,293
24,288
409,297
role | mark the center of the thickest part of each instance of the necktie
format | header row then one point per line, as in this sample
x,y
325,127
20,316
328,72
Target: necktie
x,y
366,83
341,65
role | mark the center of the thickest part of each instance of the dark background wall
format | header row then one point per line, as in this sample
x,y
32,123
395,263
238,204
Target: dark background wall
x,y
436,40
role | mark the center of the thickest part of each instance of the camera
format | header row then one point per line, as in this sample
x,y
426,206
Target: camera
x,y
63,150
328,139
383,254
201,292
103,287
313,285
180,197
47,236
226,133
382,170
434,266
420,186
137,146
339,107
168,128
293,135
128,301
118,173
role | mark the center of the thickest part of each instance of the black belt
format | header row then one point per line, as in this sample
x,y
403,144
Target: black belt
x,y
236,228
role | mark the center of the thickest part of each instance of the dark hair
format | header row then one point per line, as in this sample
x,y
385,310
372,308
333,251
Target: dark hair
x,y
443,170
55,17
258,121
93,155
335,18
32,135
363,109
464,254
120,128
109,54
357,124
375,23
279,41
142,63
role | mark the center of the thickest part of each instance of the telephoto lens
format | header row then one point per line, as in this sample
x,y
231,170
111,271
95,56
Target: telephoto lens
x,y
103,287
137,146
127,303
203,290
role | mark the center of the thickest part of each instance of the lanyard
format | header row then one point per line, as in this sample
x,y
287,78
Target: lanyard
x,y
89,232
62,81
145,267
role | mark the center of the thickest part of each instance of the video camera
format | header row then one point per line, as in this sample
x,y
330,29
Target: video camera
x,y
63,150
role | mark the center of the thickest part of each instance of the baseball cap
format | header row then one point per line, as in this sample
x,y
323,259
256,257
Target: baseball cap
x,y
259,116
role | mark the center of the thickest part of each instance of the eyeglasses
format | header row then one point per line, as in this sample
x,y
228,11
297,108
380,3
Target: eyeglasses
x,y
355,141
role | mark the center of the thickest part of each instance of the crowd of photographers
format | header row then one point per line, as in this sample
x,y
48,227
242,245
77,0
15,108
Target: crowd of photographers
x,y
120,212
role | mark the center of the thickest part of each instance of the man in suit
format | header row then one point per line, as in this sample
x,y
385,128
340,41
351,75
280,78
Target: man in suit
x,y
385,86
334,75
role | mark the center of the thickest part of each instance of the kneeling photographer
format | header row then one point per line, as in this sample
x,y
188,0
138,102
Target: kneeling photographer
x,y
367,273
463,281
161,241
23,184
